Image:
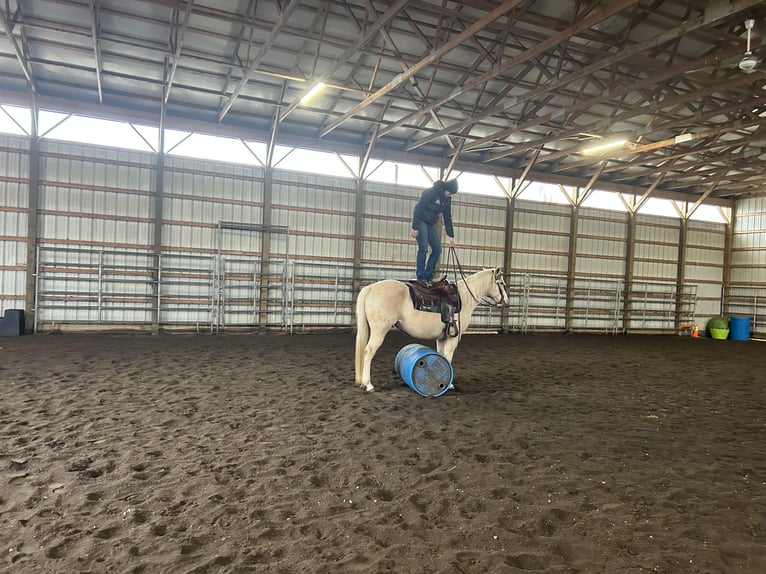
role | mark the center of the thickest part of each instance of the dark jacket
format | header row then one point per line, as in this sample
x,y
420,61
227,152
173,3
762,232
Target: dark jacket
x,y
432,203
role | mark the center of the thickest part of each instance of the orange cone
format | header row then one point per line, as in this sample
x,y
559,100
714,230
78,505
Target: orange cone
x,y
696,332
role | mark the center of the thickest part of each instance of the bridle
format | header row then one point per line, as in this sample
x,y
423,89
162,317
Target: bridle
x,y
486,300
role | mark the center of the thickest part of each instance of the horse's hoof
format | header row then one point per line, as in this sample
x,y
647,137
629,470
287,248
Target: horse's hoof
x,y
369,388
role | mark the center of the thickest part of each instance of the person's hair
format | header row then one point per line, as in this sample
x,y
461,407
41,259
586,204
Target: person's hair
x,y
451,186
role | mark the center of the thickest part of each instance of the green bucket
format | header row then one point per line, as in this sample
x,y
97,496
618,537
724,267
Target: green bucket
x,y
720,334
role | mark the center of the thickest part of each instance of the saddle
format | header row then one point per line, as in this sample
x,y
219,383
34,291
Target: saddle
x,y
439,297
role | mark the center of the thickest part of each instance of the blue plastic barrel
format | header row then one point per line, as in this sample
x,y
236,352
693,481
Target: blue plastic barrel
x,y
739,328
425,371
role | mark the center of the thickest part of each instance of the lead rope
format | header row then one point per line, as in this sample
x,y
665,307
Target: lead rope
x,y
454,262
457,267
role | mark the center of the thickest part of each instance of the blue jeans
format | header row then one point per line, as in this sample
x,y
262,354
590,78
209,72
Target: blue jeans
x,y
427,235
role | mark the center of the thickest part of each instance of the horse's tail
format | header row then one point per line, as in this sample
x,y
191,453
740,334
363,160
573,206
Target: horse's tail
x,y
362,334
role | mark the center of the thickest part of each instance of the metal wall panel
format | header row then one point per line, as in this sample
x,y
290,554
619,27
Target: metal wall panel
x,y
601,244
199,194
747,289
748,265
479,224
14,201
97,208
656,249
540,238
599,271
319,212
95,214
705,251
387,248
94,196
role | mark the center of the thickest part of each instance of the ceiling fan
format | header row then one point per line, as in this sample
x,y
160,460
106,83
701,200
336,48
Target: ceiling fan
x,y
748,63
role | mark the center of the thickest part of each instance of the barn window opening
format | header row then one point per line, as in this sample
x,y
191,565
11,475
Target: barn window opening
x,y
604,200
87,130
711,213
15,120
482,184
659,206
311,161
203,146
545,192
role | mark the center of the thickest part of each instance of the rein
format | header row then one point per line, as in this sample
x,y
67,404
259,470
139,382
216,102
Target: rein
x,y
457,267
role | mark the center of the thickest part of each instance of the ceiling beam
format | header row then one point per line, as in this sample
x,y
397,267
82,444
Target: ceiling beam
x,y
265,47
369,34
22,59
95,26
176,44
582,105
435,55
586,23
679,139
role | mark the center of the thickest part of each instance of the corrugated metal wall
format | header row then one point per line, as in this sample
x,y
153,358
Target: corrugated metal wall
x,y
319,213
599,270
655,273
95,227
705,255
14,187
212,273
746,295
97,260
539,262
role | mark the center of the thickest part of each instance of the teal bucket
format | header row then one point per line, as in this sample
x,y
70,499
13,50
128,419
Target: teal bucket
x,y
739,328
425,371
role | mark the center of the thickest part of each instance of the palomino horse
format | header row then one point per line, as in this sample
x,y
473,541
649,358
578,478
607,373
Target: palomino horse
x,y
387,303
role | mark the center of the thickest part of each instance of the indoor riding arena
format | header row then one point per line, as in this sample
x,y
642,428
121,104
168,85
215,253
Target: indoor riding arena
x,y
207,207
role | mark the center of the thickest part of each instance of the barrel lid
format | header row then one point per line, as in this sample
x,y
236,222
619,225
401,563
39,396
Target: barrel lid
x,y
431,375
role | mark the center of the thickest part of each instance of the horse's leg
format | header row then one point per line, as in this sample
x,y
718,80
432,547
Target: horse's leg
x,y
373,344
447,348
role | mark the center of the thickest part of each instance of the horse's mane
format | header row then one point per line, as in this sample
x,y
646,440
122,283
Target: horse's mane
x,y
474,278
477,282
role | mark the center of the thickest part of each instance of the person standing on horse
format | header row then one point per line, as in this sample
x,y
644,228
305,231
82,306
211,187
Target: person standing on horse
x,y
434,201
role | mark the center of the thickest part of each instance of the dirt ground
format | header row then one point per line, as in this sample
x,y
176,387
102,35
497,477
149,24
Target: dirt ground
x,y
257,453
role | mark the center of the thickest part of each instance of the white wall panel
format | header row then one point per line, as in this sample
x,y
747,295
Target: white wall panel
x,y
100,201
705,246
14,179
479,224
94,196
656,249
748,265
386,225
319,212
199,194
599,270
747,293
540,238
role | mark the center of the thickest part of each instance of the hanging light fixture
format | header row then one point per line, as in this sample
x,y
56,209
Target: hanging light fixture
x,y
604,146
312,92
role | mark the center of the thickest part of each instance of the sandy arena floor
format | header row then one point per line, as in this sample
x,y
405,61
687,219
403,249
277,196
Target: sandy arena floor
x,y
587,454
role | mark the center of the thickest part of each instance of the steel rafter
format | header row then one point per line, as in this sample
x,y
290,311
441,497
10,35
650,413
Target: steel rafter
x,y
179,27
428,60
265,47
18,52
352,50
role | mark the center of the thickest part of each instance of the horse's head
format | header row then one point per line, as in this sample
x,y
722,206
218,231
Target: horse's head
x,y
498,292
